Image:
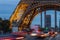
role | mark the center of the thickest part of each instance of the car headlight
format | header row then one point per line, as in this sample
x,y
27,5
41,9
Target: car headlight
x,y
56,32
33,34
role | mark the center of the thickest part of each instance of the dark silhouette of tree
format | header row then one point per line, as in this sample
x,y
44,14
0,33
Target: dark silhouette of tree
x,y
1,27
6,24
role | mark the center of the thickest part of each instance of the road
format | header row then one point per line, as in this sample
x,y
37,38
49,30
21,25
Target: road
x,y
28,37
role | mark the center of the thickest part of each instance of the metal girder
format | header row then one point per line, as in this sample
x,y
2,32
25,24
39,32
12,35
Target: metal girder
x,y
18,12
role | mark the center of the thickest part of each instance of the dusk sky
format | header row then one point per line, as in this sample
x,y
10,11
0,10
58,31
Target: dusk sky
x,y
8,6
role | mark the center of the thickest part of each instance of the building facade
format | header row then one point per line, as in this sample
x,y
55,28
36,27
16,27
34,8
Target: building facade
x,y
48,21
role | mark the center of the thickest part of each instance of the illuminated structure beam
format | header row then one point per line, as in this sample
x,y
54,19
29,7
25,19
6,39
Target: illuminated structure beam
x,y
18,12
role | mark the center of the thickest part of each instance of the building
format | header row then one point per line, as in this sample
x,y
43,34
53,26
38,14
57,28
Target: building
x,y
48,21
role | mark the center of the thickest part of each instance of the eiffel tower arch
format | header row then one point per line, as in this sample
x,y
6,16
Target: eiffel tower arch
x,y
26,10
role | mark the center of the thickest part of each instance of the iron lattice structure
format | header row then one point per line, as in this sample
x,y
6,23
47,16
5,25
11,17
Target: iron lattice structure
x,y
26,10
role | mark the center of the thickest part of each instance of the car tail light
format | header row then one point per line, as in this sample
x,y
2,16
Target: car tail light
x,y
7,39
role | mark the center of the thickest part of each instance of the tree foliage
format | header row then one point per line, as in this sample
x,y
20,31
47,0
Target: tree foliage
x,y
4,25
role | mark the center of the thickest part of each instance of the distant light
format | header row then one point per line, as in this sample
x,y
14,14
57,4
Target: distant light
x,y
19,37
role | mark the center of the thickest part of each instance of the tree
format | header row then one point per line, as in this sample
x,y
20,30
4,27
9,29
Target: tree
x,y
6,24
1,26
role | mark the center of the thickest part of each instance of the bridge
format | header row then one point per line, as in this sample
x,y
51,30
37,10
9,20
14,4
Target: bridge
x,y
26,10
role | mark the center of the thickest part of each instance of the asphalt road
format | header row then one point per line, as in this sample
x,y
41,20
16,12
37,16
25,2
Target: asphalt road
x,y
28,37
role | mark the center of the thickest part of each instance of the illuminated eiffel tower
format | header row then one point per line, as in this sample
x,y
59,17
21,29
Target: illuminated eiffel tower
x,y
26,10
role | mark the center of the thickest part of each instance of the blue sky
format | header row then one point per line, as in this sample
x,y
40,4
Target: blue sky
x,y
7,7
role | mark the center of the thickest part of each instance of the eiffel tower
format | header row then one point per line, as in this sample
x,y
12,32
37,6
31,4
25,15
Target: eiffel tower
x,y
26,10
